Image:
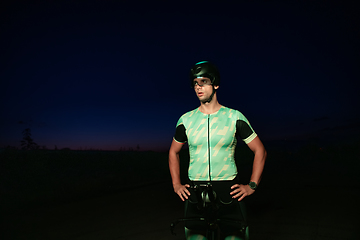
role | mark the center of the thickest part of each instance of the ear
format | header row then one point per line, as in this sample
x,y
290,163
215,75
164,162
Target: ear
x,y
216,87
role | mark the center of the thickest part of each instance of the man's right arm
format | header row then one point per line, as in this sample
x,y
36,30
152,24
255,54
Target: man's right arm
x,y
174,166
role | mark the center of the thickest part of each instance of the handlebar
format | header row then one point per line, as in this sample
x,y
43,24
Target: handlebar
x,y
206,198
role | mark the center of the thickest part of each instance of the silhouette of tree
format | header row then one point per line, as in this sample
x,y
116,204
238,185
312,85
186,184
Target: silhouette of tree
x,y
138,147
28,143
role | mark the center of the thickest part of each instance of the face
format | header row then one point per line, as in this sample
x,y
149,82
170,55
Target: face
x,y
203,88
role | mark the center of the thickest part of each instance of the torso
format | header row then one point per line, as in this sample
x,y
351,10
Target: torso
x,y
212,142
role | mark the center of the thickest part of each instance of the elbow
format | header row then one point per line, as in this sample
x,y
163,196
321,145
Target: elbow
x,y
265,155
261,155
261,151
173,155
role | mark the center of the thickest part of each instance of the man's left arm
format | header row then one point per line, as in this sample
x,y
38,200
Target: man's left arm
x,y
240,191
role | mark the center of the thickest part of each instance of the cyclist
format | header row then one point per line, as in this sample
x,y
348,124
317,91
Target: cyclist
x,y
211,131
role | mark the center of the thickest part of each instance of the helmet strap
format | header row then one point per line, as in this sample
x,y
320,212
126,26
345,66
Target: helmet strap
x,y
211,96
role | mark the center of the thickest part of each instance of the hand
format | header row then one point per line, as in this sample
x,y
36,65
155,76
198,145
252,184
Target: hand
x,y
182,191
241,191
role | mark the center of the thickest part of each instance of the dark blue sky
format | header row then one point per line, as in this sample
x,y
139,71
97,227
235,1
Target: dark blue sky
x,y
106,75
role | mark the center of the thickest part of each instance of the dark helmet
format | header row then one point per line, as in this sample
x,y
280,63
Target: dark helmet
x,y
205,69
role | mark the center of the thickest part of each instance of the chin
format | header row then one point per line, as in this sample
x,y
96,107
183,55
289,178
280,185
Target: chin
x,y
204,100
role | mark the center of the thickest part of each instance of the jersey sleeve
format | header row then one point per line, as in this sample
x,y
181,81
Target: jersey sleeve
x,y
244,129
180,133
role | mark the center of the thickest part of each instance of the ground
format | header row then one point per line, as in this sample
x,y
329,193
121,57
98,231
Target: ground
x,y
297,199
146,213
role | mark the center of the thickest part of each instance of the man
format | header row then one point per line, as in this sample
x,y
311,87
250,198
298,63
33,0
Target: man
x,y
211,131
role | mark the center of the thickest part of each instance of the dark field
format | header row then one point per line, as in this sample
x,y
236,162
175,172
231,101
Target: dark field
x,y
30,178
306,192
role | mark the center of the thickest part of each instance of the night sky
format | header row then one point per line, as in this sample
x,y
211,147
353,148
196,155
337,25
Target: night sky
x,y
114,74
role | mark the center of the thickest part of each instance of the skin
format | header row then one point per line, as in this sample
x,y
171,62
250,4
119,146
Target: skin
x,y
240,191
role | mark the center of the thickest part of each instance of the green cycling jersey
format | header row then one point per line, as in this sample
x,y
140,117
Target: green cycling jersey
x,y
212,141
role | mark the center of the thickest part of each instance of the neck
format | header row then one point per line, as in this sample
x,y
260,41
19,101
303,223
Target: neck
x,y
210,107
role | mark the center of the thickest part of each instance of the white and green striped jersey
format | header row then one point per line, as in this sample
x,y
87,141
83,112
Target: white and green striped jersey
x,y
212,141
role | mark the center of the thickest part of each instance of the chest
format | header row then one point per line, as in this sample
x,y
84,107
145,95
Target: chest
x,y
210,130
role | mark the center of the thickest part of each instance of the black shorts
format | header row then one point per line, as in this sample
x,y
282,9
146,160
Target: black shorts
x,y
225,207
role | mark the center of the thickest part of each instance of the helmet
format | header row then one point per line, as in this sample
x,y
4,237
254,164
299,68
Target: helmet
x,y
205,69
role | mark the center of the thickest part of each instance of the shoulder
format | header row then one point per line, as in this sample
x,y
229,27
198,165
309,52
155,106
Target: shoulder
x,y
233,113
187,116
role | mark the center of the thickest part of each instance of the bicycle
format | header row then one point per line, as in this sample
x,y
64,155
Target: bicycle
x,y
208,205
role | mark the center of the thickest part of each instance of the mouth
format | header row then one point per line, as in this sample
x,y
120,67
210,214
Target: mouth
x,y
200,94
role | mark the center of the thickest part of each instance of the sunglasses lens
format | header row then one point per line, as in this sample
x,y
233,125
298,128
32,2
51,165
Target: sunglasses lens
x,y
202,82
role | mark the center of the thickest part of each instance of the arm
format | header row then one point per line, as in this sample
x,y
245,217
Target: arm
x,y
259,159
174,166
241,191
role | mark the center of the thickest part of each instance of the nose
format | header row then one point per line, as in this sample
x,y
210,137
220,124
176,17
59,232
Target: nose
x,y
197,86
